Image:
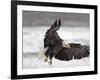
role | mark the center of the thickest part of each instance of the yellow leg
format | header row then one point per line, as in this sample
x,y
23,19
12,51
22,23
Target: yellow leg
x,y
50,62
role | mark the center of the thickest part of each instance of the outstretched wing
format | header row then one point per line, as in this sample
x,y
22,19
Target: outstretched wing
x,y
76,51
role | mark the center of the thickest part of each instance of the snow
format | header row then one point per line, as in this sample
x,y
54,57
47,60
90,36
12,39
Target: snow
x,y
33,43
33,61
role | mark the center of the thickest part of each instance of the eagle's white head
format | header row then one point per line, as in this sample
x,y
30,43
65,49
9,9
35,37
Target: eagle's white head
x,y
65,44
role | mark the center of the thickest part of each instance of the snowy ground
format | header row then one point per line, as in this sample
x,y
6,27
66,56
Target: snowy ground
x,y
33,42
33,61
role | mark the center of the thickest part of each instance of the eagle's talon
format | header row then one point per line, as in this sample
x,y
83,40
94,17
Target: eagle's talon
x,y
50,62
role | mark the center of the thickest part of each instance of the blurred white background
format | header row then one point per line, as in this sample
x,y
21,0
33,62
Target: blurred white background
x,y
5,40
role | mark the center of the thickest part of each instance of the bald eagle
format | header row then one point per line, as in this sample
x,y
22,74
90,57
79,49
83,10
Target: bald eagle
x,y
56,47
